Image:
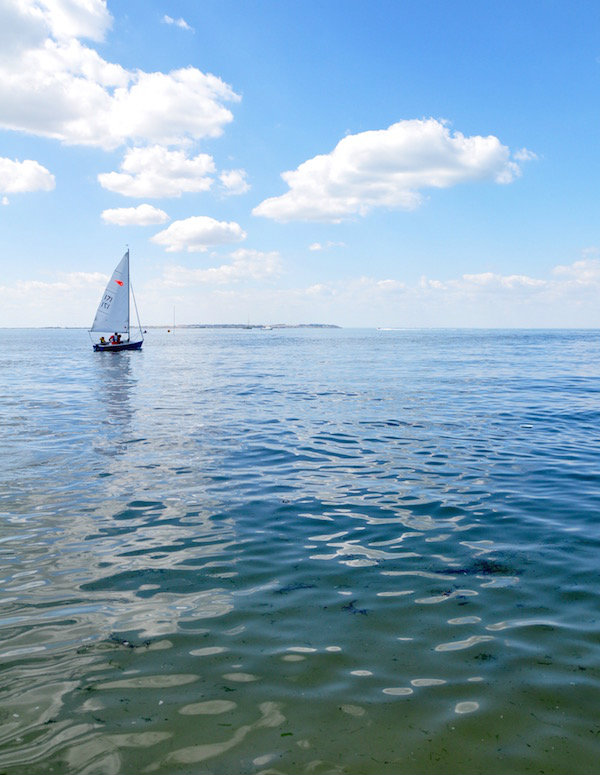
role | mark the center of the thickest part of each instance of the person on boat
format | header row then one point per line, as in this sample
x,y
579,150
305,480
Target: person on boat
x,y
118,338
102,340
113,339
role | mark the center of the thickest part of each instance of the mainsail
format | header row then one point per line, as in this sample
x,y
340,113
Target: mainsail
x,y
113,310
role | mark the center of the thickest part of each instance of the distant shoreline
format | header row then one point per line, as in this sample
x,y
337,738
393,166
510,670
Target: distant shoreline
x,y
250,325
283,326
265,326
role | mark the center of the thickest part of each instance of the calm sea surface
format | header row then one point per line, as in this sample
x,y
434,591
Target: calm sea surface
x,y
329,551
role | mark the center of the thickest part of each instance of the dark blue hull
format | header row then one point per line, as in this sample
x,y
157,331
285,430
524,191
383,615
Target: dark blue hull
x,y
113,348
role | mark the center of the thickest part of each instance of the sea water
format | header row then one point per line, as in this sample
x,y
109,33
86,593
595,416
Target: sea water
x,y
300,551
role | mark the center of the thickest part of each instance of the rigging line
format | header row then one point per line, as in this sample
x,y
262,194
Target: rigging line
x,y
137,314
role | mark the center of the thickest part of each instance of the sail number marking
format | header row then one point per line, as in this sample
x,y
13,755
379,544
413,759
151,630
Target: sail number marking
x,y
106,301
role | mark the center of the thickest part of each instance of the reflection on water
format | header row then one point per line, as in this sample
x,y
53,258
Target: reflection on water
x,y
114,385
330,551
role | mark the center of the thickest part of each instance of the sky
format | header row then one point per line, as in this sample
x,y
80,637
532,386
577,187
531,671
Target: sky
x,y
415,163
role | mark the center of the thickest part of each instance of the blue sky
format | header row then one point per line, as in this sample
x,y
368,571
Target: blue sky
x,y
367,164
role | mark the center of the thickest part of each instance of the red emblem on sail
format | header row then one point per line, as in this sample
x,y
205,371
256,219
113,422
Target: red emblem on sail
x,y
119,282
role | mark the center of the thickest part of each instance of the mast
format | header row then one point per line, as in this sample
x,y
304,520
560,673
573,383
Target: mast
x,y
128,299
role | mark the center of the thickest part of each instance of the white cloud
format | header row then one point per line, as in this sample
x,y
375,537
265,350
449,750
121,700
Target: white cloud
x,y
234,181
67,282
69,299
524,155
197,234
328,244
76,18
487,299
584,272
27,23
484,284
390,285
54,86
318,289
5,200
387,168
177,22
142,215
245,265
157,172
490,280
23,26
240,287
368,289
566,281
169,108
21,176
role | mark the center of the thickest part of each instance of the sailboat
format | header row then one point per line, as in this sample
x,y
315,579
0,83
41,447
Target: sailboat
x,y
113,314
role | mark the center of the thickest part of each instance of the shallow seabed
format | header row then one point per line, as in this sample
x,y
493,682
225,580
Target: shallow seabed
x,y
290,551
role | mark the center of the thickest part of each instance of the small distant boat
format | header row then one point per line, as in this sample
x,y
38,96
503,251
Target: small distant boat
x,y
113,314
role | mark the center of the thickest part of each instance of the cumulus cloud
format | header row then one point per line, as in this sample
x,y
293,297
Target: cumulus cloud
x,y
155,172
54,86
69,299
76,18
491,280
366,288
197,234
584,272
388,168
143,215
580,276
234,182
27,23
485,284
524,155
329,244
177,22
489,294
20,176
245,265
30,291
565,296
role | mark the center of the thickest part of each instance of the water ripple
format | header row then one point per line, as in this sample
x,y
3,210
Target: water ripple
x,y
245,550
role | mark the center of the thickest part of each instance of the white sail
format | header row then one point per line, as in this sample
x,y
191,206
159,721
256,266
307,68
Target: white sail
x,y
113,310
